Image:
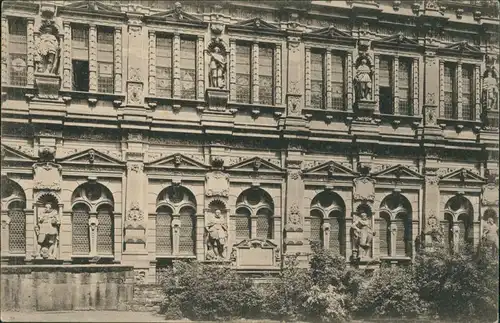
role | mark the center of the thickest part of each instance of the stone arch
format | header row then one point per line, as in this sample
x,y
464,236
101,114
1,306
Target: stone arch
x,y
176,197
258,206
461,211
395,213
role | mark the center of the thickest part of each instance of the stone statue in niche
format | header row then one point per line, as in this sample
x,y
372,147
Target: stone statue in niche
x,y
216,236
218,64
47,232
363,78
362,236
490,234
47,52
490,90
434,231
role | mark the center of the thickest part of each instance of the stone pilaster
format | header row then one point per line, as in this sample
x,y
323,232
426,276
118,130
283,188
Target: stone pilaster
x,y
277,76
118,60
433,93
395,85
349,67
295,79
93,58
5,223
30,62
5,50
307,90
255,73
438,83
328,72
66,236
66,58
459,80
200,62
152,63
232,70
431,195
135,81
477,95
177,66
376,80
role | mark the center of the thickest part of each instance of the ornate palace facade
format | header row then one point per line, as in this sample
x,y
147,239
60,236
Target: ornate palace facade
x,y
137,132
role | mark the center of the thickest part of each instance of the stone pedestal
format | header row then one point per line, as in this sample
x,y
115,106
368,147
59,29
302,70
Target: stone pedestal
x,y
48,86
217,99
365,109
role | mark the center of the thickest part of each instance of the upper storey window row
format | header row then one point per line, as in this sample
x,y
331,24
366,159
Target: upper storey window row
x,y
396,93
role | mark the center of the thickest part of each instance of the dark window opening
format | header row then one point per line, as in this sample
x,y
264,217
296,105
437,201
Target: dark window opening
x,y
80,75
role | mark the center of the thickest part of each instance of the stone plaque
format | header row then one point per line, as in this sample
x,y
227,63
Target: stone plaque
x,y
217,184
47,176
364,189
256,253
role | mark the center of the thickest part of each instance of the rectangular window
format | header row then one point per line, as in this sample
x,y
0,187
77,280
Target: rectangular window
x,y
105,60
163,66
317,80
188,71
467,92
449,96
385,86
80,57
338,82
266,79
404,90
18,49
243,83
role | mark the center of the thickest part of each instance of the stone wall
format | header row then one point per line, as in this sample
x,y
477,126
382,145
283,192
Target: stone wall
x,y
62,287
147,298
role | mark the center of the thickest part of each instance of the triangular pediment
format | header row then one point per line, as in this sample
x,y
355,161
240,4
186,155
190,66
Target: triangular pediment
x,y
91,6
90,157
256,23
12,154
464,175
176,15
398,171
463,47
177,161
399,39
255,164
255,243
332,169
329,32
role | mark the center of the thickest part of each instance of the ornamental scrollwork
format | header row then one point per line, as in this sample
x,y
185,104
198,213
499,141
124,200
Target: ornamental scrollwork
x,y
135,214
135,168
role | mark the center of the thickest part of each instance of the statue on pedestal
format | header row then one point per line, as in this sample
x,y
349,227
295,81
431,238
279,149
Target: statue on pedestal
x,y
434,231
47,52
47,232
216,236
363,78
490,234
217,75
362,236
490,90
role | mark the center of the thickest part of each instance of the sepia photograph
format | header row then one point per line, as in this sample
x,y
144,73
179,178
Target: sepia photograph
x,y
265,161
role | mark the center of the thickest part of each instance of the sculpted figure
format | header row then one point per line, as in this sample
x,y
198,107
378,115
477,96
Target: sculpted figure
x,y
490,234
362,236
435,231
490,90
363,80
47,232
218,63
47,54
216,236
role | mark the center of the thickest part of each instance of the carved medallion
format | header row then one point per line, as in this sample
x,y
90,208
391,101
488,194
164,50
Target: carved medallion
x,y
294,215
364,189
47,176
217,184
135,214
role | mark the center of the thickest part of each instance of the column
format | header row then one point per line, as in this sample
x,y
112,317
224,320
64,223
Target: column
x,y
459,82
255,73
395,85
5,51
200,69
232,71
118,60
200,233
439,84
326,234
66,58
253,226
477,93
307,92
392,241
328,80
176,230
152,63
177,65
349,67
93,224
376,82
30,38
277,75
433,93
93,58
415,91
30,234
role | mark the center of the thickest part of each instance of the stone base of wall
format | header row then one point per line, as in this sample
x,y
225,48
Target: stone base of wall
x,y
66,287
147,298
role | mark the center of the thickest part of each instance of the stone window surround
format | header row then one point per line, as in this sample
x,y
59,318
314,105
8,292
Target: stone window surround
x,y
253,217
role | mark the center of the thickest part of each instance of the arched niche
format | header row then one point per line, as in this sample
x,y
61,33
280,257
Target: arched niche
x,y
395,224
459,216
254,215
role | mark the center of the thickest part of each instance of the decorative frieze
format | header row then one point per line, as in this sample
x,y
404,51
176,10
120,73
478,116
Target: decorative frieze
x,y
118,60
93,58
66,58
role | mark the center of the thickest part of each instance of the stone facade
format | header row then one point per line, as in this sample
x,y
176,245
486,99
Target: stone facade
x,y
235,133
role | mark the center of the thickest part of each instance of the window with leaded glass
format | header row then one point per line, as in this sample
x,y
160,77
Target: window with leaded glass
x,y
17,228
264,224
105,231
402,232
243,224
384,240
395,226
317,80
80,57
163,66
187,236
316,224
164,231
80,230
105,60
449,91
385,86
254,209
243,84
404,87
266,79
467,92
337,233
338,89
18,51
188,71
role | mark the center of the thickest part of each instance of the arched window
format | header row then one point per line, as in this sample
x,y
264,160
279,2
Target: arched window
x,y
13,216
461,214
92,201
179,204
327,222
395,226
254,208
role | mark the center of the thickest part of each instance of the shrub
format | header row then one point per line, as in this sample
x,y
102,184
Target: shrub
x,y
326,305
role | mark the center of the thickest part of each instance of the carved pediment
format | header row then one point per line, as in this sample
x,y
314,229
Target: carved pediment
x,y
256,23
177,161
398,39
463,47
332,169
462,175
176,15
398,171
329,32
91,6
15,155
90,157
255,164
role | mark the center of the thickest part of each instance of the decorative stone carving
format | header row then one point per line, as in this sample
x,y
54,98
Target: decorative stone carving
x,y
293,105
434,233
363,78
364,189
490,195
294,216
217,184
135,214
135,168
490,234
362,237
135,93
216,236
47,51
218,64
140,276
47,232
490,90
47,176
255,252
5,221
